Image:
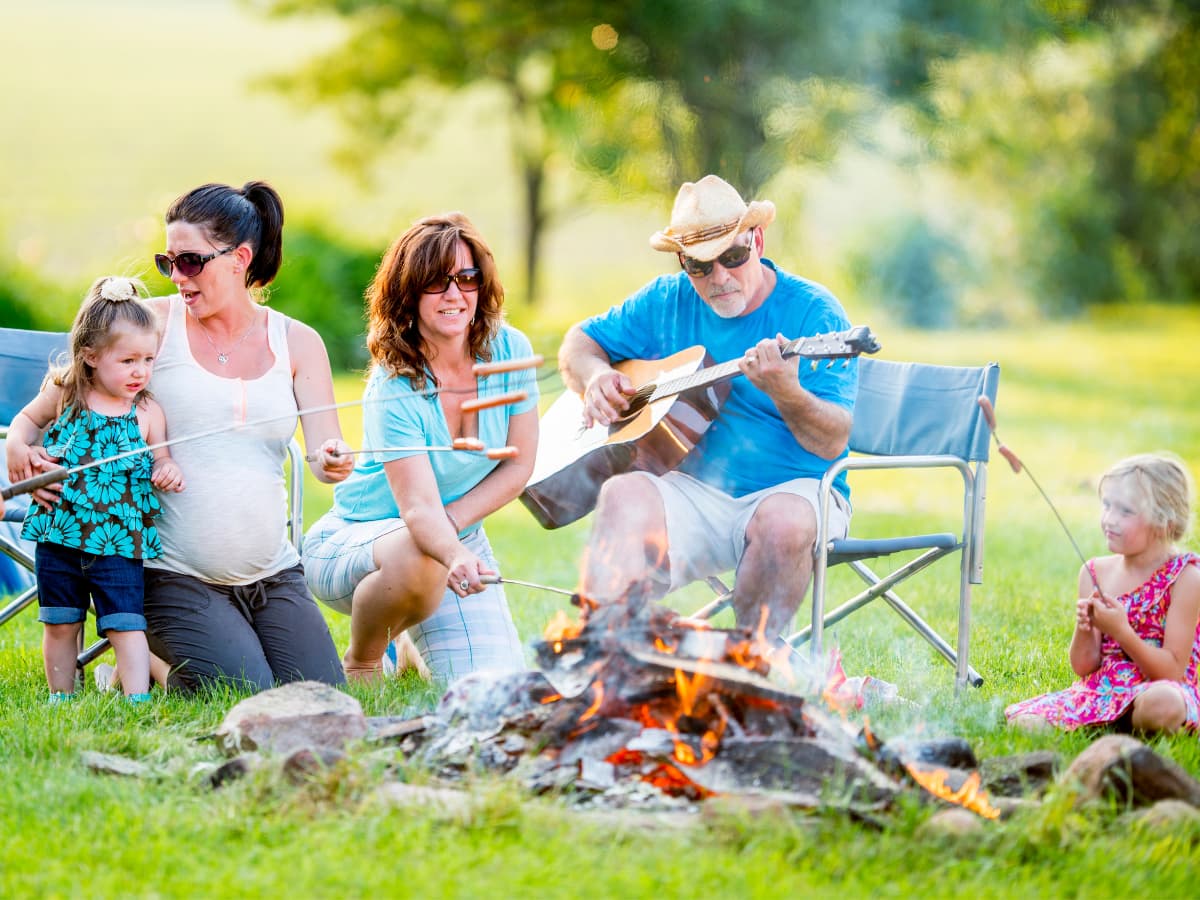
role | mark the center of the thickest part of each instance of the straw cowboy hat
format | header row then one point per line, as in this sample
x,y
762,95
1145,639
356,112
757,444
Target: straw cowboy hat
x,y
708,215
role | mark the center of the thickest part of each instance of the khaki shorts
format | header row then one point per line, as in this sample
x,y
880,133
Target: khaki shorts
x,y
706,528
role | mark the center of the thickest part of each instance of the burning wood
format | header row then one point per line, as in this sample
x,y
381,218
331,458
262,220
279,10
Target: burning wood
x,y
635,703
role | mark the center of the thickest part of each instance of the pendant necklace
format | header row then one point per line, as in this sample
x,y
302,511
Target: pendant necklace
x,y
223,356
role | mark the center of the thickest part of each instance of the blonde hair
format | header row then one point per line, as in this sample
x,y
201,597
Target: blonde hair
x,y
1164,487
110,301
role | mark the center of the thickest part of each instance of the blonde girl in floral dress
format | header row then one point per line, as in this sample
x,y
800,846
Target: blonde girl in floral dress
x,y
1136,644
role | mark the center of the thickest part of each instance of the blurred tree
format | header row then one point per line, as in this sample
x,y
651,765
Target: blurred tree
x,y
402,57
645,94
1095,121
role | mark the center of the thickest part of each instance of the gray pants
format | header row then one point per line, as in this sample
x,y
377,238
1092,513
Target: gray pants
x,y
256,635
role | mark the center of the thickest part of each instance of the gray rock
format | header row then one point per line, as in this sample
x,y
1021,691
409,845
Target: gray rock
x,y
288,718
111,764
954,822
1123,767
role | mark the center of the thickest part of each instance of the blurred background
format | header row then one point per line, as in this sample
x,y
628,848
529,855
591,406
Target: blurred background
x,y
937,163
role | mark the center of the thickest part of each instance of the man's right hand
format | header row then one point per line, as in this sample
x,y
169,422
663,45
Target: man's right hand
x,y
606,398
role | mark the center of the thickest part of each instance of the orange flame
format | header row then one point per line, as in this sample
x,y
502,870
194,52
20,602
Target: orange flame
x,y
689,690
969,796
561,628
596,701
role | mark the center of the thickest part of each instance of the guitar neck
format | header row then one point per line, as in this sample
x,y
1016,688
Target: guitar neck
x,y
716,373
702,378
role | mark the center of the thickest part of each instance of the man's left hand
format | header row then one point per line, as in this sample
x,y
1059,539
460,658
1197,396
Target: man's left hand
x,y
766,367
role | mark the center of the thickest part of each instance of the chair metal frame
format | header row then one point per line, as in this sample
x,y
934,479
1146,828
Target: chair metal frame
x,y
876,442
51,341
894,431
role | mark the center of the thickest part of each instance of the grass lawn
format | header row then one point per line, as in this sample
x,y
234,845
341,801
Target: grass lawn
x,y
1073,399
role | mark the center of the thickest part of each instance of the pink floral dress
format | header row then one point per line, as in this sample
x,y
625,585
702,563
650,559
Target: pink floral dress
x,y
1106,694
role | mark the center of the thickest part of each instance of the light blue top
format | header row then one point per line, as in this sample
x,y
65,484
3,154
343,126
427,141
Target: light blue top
x,y
748,447
396,415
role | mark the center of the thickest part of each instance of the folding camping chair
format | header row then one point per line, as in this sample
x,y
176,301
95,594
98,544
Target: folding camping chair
x,y
24,358
907,416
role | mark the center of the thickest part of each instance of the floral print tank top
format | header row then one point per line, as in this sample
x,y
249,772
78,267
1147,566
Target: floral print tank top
x,y
107,510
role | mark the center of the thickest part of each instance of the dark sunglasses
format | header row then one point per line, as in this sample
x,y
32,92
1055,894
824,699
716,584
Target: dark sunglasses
x,y
467,280
189,264
735,256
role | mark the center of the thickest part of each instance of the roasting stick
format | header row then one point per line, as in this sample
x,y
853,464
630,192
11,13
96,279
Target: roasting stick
x,y
480,370
989,415
460,445
496,579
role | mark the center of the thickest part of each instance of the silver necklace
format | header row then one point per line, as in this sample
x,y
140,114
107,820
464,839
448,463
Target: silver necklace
x,y
223,356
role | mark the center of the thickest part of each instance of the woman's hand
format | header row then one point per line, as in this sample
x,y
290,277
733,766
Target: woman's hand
x,y
464,572
335,460
26,460
40,462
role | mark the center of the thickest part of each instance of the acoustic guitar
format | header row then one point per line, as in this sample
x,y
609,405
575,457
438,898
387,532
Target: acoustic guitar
x,y
677,398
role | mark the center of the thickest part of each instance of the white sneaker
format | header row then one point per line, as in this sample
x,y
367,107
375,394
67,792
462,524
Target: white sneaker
x,y
106,676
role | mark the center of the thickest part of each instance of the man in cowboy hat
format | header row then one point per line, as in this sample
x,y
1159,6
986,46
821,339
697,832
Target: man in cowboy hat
x,y
746,497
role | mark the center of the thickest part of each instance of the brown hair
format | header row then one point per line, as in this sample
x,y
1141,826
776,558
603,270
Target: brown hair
x,y
417,258
109,302
1164,488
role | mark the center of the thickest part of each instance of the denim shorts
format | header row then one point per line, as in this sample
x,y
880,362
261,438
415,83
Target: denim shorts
x,y
464,635
70,580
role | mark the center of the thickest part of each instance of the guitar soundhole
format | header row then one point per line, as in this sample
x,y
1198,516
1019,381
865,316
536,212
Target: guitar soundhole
x,y
636,404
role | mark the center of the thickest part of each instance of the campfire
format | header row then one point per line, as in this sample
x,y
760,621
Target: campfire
x,y
634,703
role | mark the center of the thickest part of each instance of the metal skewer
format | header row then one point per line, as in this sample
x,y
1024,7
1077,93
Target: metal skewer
x,y
496,579
61,474
989,415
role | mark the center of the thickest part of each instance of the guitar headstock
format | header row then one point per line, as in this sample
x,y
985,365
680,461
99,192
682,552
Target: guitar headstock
x,y
834,344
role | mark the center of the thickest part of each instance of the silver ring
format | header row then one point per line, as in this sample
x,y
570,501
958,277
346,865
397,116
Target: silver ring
x,y
464,584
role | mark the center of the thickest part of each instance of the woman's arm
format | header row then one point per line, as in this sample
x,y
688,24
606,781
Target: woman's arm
x,y
1085,642
25,456
1170,661
505,482
312,381
415,488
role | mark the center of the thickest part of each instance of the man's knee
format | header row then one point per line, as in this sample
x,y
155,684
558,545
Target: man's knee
x,y
785,523
631,500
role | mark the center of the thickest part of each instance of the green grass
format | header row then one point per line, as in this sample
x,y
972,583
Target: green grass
x,y
1073,399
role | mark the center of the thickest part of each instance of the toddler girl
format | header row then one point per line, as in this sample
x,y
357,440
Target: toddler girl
x,y
91,541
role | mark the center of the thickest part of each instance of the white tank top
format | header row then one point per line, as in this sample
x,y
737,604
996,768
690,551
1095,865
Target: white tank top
x,y
229,525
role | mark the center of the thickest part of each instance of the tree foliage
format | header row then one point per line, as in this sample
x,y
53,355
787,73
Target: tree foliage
x,y
1088,105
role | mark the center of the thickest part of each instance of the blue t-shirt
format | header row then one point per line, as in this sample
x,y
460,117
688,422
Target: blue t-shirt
x,y
396,415
748,447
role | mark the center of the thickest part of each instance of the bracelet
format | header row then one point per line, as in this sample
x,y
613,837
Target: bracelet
x,y
453,522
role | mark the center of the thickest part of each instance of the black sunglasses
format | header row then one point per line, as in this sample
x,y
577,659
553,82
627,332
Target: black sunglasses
x,y
735,256
467,280
189,264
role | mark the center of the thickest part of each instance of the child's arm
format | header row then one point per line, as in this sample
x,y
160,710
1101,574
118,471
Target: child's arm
x,y
1170,661
166,475
25,456
1085,642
